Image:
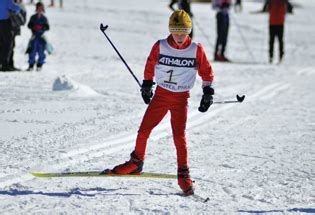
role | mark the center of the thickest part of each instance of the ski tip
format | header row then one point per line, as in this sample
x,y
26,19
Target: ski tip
x,y
37,174
45,175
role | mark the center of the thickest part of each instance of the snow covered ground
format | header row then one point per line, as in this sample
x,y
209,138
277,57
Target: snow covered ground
x,y
83,110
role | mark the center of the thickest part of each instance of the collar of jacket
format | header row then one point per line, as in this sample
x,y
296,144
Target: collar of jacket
x,y
173,44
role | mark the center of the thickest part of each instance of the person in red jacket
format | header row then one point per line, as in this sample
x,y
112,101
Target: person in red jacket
x,y
277,11
174,63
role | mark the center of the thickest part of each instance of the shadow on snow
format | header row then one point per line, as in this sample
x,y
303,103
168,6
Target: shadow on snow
x,y
303,210
79,192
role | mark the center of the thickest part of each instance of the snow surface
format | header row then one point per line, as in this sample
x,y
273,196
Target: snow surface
x,y
82,112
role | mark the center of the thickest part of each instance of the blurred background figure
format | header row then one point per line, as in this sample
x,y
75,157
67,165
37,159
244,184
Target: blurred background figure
x,y
223,20
238,6
52,3
277,10
32,1
265,7
17,20
171,5
6,36
37,45
185,5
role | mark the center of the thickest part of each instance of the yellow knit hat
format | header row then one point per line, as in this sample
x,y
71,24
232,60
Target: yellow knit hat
x,y
180,22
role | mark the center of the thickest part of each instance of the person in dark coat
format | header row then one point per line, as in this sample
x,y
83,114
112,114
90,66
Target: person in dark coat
x,y
185,5
223,22
17,20
38,25
238,6
6,36
171,4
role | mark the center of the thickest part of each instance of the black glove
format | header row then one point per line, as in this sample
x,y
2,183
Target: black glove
x,y
146,90
207,99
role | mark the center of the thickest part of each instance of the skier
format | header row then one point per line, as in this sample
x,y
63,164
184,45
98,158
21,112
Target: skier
x,y
37,45
277,11
223,18
174,62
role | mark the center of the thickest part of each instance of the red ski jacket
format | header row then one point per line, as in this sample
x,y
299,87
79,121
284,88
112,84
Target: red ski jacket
x,y
277,11
203,66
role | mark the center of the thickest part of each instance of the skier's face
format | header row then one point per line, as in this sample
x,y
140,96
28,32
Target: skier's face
x,y
40,10
179,38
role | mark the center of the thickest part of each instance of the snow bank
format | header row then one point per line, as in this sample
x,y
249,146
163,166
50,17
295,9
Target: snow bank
x,y
64,83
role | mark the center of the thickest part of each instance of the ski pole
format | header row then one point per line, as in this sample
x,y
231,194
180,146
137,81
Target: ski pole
x,y
239,99
103,28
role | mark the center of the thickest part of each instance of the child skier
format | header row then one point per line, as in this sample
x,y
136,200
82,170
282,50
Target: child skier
x,y
174,62
38,25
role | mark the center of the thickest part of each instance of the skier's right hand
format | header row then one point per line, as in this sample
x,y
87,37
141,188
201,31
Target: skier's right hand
x,y
146,90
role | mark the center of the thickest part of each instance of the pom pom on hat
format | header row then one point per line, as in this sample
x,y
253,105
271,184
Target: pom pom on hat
x,y
180,22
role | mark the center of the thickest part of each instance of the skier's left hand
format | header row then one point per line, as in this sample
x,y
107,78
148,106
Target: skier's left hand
x,y
207,99
146,90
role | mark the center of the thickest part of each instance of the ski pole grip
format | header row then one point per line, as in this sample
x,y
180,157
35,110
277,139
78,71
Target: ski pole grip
x,y
102,27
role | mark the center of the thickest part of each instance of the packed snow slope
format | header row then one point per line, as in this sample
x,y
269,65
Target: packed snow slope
x,y
82,112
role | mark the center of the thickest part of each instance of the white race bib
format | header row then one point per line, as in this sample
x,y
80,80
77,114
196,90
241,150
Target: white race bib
x,y
176,69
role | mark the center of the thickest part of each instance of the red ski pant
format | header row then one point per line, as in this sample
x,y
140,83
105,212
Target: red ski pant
x,y
162,102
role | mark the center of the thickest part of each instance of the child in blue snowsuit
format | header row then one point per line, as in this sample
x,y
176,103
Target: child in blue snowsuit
x,y
38,25
222,29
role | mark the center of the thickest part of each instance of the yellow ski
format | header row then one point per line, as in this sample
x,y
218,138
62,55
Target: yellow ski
x,y
100,174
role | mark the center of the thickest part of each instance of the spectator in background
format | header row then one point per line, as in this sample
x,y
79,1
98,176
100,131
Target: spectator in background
x,y
6,36
17,20
38,25
277,10
171,5
185,5
223,21
265,7
238,6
